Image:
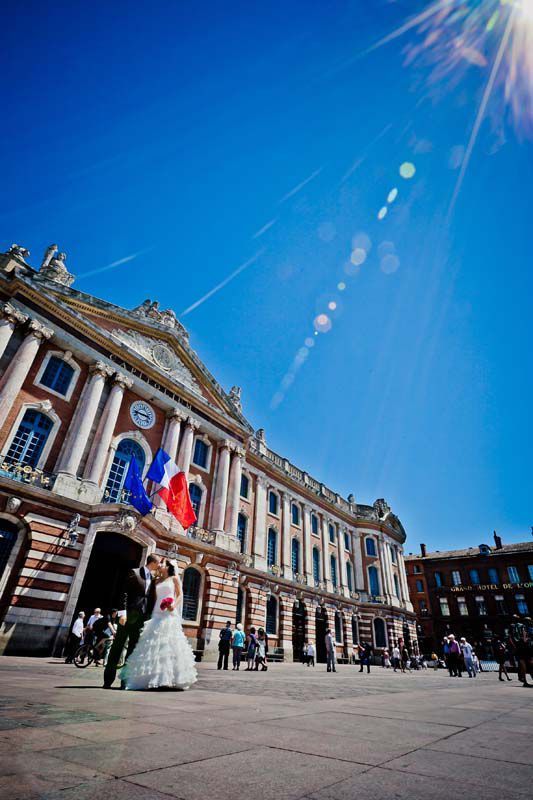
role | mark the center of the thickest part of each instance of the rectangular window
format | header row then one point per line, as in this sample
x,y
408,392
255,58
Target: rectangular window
x,y
346,541
419,586
393,554
521,603
481,607
333,564
331,531
461,605
474,577
514,577
416,569
438,578
493,575
273,503
200,454
501,606
245,486
444,607
295,514
314,524
456,577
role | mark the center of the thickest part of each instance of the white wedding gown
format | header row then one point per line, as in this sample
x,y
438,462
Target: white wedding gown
x,y
163,657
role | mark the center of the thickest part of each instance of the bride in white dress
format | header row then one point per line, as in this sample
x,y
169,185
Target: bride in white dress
x,y
163,657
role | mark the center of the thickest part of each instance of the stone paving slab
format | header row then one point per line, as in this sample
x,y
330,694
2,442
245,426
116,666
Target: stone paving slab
x,y
292,732
261,773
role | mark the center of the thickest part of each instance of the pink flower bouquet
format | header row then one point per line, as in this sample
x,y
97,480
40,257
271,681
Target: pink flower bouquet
x,y
167,604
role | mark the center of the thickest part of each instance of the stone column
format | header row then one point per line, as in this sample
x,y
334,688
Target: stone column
x,y
83,419
286,536
10,318
172,433
343,579
260,535
286,604
16,373
359,576
234,492
106,428
385,575
308,550
326,570
185,452
403,581
221,486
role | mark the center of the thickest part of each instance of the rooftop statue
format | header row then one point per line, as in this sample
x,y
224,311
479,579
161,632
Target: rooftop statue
x,y
53,267
149,309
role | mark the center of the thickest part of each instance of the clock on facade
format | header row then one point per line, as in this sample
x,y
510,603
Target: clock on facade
x,y
142,414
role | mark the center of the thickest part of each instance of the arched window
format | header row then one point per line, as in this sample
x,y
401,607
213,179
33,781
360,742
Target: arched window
x,y
30,438
242,524
126,450
240,604
271,615
201,453
338,627
8,537
380,636
57,375
373,580
316,564
272,547
396,585
333,565
349,577
195,493
355,629
331,531
370,545
295,555
191,593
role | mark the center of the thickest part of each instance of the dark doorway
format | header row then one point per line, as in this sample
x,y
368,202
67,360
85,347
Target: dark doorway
x,y
321,628
111,558
298,629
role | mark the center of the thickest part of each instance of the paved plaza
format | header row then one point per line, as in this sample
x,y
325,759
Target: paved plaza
x,y
292,732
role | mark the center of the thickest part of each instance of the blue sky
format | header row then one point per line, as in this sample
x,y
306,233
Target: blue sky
x,y
177,135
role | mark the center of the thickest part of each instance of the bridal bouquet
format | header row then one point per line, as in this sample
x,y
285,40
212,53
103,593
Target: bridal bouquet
x,y
167,604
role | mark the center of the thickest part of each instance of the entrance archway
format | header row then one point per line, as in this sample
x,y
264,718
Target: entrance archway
x,y
299,615
321,622
112,556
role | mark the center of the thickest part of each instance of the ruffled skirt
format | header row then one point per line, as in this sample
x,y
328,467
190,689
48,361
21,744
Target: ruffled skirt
x,y
163,657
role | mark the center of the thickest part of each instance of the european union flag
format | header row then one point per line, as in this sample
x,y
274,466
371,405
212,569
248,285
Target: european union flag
x,y
136,492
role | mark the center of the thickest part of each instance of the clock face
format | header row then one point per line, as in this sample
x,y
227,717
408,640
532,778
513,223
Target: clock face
x,y
142,414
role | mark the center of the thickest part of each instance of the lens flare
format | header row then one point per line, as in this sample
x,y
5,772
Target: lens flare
x,y
382,213
407,170
322,323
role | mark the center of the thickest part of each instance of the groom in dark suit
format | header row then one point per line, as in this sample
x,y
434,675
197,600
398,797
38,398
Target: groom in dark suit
x,y
137,603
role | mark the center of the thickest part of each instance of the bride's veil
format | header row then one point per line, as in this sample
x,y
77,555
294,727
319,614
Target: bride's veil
x,y
179,600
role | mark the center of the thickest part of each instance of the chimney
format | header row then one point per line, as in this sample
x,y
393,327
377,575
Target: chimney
x,y
423,550
497,541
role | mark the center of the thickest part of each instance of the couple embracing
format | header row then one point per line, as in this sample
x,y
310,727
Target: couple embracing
x,y
158,654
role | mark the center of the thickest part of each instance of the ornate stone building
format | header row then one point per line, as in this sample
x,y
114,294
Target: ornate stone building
x,y
84,386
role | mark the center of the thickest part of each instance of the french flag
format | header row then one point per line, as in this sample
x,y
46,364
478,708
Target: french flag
x,y
173,488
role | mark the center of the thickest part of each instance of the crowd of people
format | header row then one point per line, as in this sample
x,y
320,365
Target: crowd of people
x,y
99,631
253,646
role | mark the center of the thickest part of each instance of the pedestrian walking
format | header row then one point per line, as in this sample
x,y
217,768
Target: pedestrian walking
x,y
310,655
396,657
304,653
75,637
261,651
330,651
224,644
404,658
454,657
355,653
237,645
524,656
89,635
467,652
386,659
365,655
251,648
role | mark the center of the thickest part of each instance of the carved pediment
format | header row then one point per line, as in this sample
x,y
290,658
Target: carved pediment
x,y
160,354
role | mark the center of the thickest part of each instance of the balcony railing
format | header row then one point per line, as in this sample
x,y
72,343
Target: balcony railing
x,y
24,473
